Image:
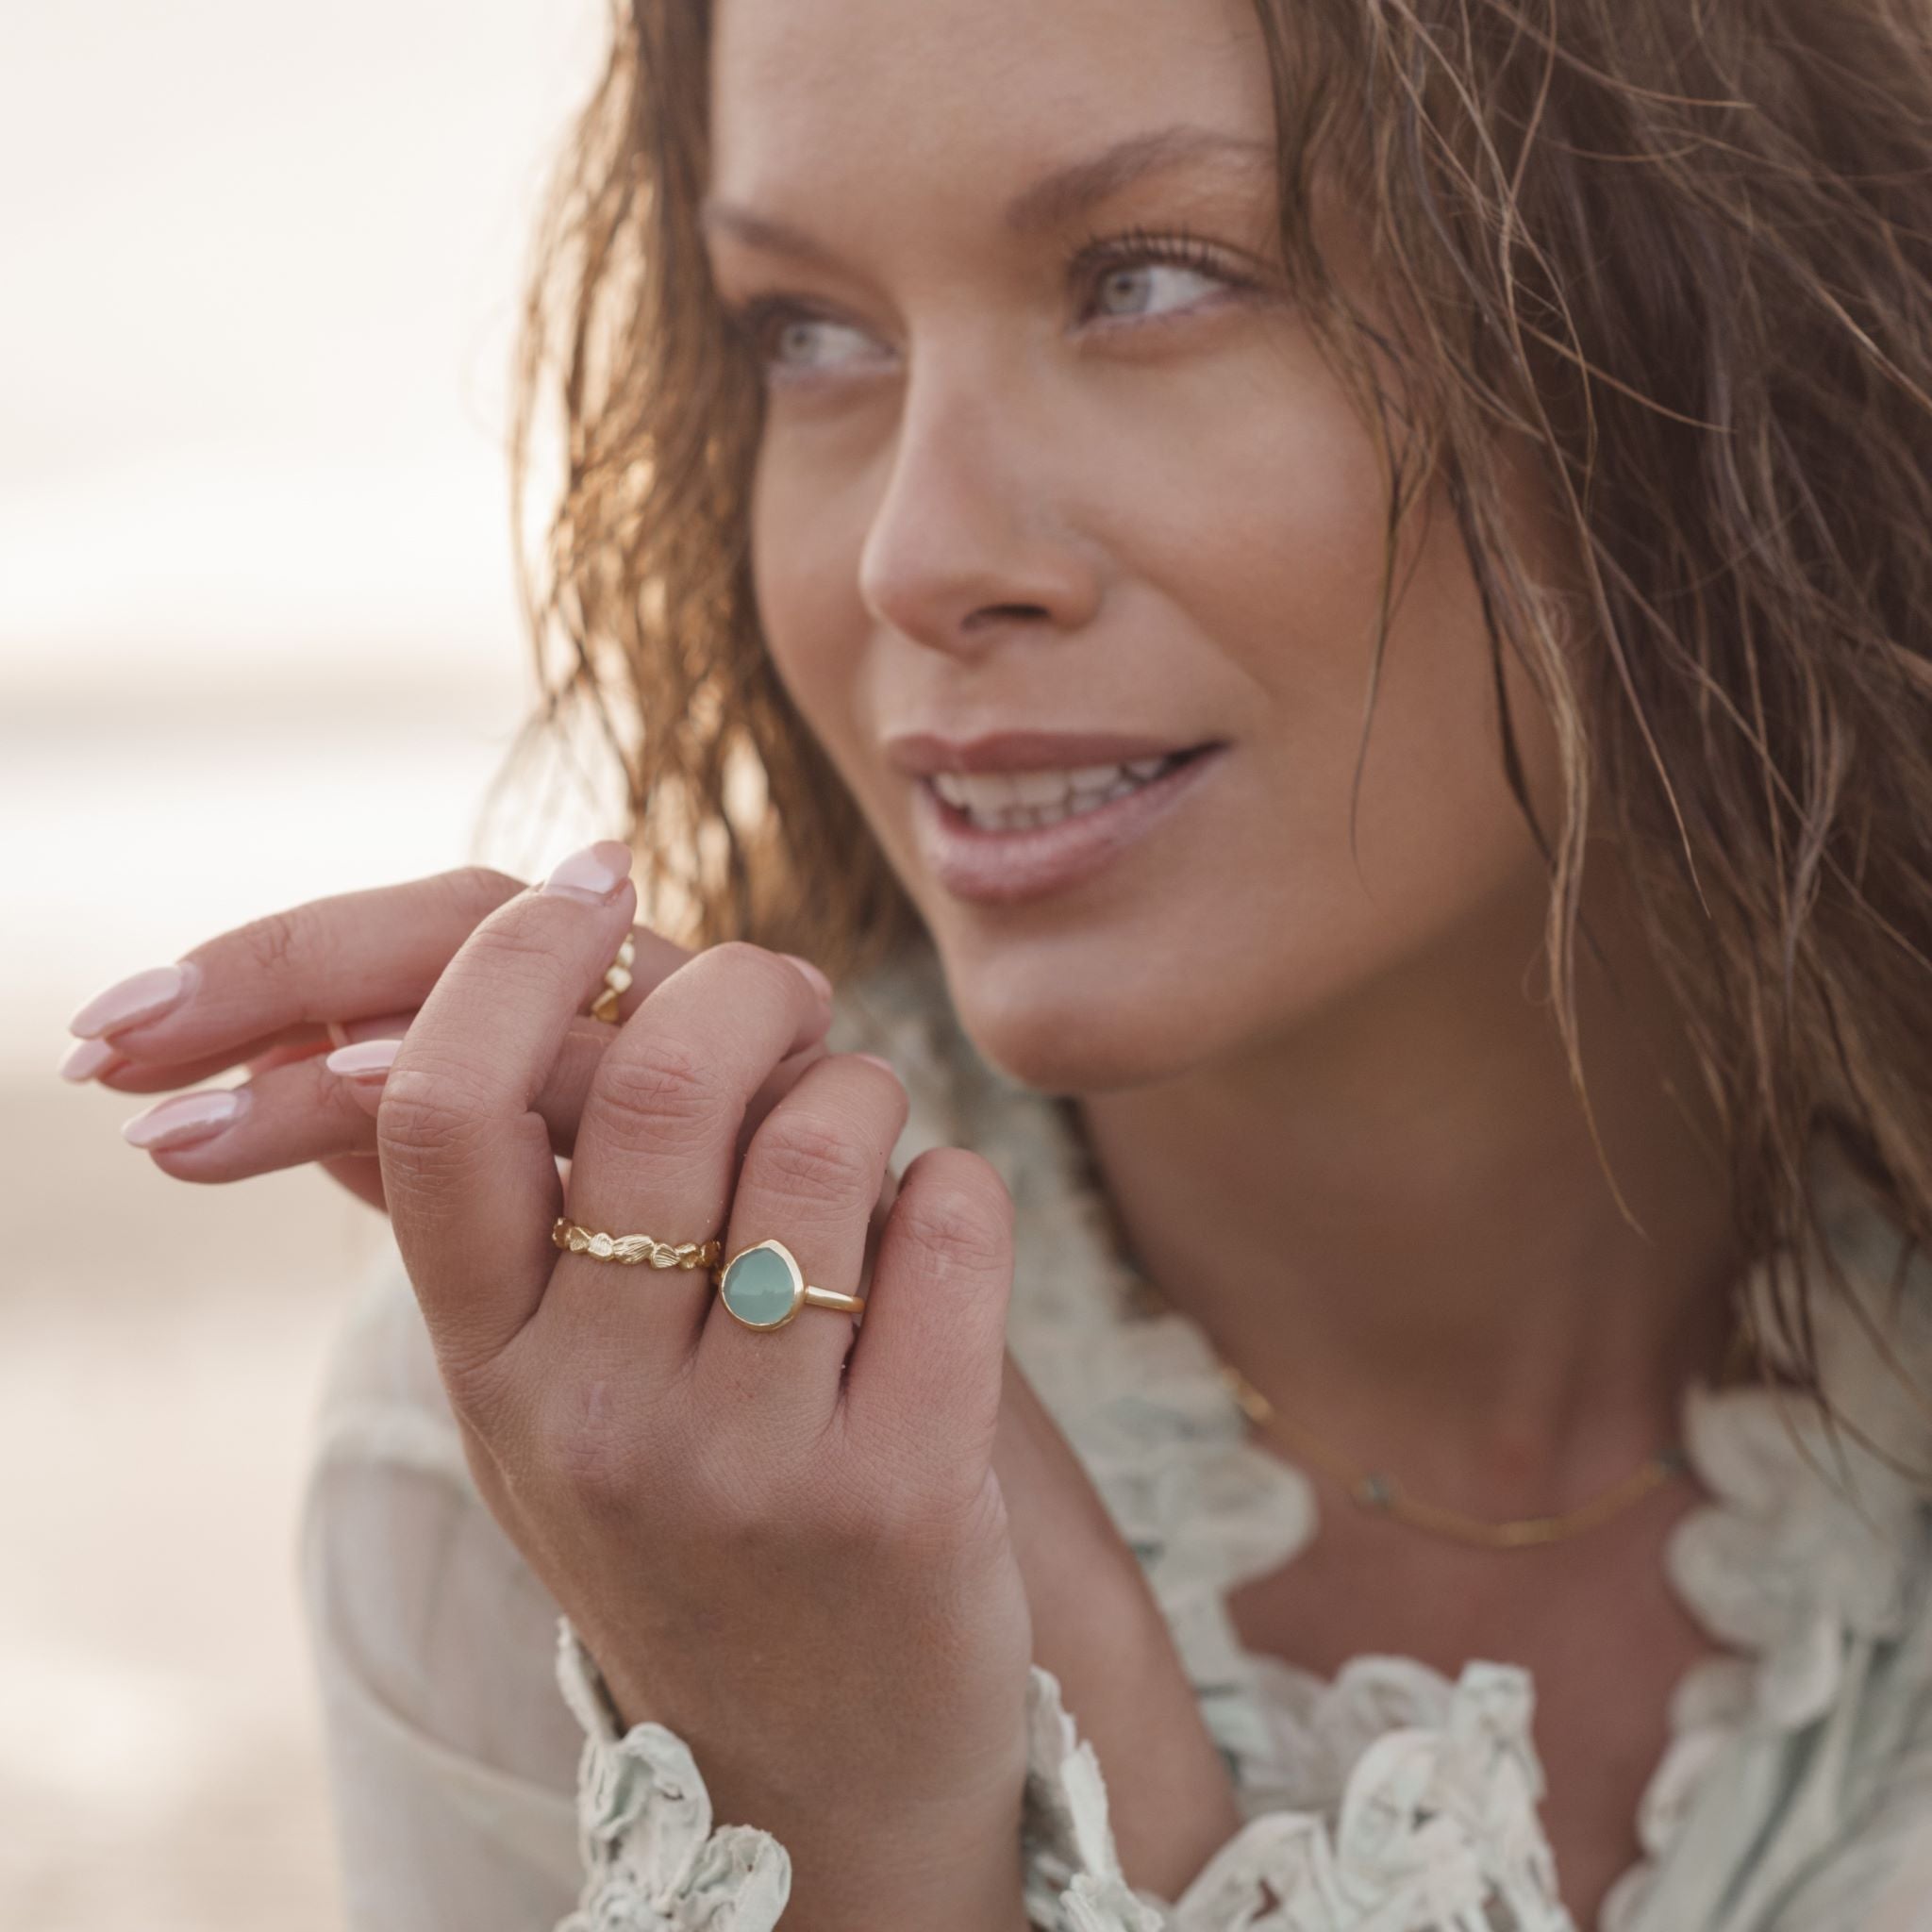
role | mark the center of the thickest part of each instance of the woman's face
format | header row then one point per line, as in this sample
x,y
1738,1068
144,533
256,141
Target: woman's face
x,y
1027,470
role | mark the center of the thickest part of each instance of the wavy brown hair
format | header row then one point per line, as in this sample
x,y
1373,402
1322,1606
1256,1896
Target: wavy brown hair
x,y
1681,253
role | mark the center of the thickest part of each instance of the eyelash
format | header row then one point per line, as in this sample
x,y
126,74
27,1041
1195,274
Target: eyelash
x,y
1098,255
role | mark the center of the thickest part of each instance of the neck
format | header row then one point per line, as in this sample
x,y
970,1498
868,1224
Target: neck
x,y
1395,1224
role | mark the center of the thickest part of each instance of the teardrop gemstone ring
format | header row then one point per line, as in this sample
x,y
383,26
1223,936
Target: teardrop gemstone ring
x,y
763,1287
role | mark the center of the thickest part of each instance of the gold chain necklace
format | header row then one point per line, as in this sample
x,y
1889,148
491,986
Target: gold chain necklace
x,y
1380,1494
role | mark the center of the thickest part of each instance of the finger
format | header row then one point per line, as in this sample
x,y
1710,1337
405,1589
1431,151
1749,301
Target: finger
x,y
348,957
924,1376
656,1148
467,1166
100,1062
810,1180
353,958
287,1116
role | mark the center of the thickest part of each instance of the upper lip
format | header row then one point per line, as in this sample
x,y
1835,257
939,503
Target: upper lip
x,y
921,753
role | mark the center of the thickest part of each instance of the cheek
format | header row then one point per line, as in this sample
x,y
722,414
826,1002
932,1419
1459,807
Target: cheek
x,y
1263,510
1265,534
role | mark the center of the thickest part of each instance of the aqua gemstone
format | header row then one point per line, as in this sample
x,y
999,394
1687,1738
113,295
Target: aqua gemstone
x,y
757,1287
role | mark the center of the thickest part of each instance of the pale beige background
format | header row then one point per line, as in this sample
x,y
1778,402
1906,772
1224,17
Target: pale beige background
x,y
258,643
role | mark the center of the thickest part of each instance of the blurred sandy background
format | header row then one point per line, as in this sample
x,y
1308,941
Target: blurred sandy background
x,y
258,267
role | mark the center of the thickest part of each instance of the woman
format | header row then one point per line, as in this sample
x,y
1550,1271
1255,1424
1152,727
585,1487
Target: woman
x,y
1319,612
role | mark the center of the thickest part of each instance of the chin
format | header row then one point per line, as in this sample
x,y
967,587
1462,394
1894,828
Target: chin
x,y
1071,1038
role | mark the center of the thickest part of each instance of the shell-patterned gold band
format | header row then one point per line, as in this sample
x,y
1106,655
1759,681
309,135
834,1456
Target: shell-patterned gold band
x,y
634,1250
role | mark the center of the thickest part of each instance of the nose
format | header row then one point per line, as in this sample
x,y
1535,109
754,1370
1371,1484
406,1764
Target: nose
x,y
975,532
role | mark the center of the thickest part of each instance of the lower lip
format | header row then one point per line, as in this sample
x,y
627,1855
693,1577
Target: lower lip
x,y
1003,868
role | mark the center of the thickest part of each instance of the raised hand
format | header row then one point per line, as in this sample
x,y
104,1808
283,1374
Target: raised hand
x,y
803,1567
261,994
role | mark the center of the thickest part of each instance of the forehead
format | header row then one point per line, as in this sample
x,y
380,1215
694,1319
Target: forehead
x,y
889,105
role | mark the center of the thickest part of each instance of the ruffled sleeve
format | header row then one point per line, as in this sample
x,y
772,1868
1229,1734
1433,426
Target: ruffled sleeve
x,y
653,1861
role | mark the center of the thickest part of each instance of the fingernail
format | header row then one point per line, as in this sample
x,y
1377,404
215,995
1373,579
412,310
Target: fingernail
x,y
817,979
184,1118
878,1063
595,875
365,1059
88,1059
141,997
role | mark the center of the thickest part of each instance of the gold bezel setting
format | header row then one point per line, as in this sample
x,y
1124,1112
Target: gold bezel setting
x,y
792,1269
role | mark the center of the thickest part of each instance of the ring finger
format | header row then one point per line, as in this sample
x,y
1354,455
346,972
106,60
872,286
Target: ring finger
x,y
813,1172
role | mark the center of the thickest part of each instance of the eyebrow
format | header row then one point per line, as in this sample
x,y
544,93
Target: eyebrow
x,y
1048,203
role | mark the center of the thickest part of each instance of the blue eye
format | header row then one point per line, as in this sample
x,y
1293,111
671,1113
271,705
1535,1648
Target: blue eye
x,y
1116,279
779,331
1114,261
795,327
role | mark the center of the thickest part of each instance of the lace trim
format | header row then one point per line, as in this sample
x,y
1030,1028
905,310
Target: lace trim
x,y
652,1861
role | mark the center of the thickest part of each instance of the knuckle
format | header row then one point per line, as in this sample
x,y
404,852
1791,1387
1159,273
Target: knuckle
x,y
425,1119
271,942
813,1156
520,952
661,1085
956,1211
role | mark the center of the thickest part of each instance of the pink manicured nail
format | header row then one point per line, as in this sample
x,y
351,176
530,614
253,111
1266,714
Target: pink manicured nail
x,y
184,1118
141,997
811,972
366,1060
87,1059
595,875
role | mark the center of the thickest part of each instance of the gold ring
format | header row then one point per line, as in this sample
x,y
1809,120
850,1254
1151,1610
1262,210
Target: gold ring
x,y
617,980
634,1250
763,1287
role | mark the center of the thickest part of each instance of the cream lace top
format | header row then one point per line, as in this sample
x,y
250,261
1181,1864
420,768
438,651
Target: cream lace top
x,y
479,1781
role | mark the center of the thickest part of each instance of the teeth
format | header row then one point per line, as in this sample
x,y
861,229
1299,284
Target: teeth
x,y
1008,801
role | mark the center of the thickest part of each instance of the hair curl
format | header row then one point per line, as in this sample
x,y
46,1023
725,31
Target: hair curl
x,y
1681,252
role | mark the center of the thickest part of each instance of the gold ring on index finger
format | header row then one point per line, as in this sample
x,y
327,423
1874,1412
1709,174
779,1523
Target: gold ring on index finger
x,y
617,982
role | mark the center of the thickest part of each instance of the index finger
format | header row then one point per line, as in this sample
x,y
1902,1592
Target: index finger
x,y
350,956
